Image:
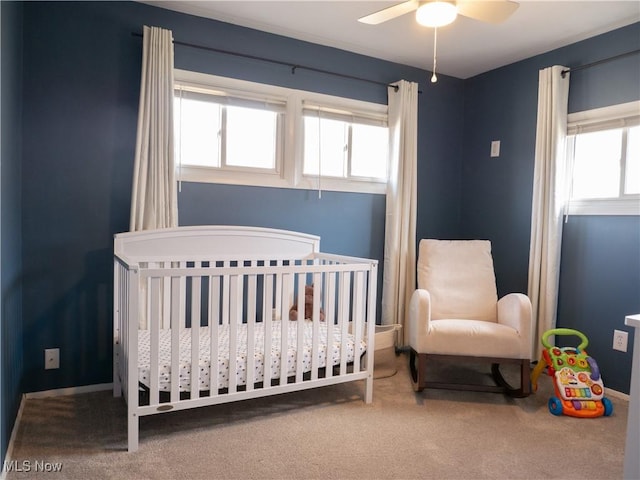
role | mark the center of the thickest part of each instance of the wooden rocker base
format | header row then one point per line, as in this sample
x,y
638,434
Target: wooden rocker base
x,y
418,368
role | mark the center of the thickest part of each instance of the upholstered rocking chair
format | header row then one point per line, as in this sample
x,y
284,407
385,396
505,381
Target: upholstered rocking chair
x,y
455,315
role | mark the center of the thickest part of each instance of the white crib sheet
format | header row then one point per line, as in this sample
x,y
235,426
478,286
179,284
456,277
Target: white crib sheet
x,y
241,362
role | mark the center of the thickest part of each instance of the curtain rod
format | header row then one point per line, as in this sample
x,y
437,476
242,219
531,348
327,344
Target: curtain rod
x,y
593,64
292,66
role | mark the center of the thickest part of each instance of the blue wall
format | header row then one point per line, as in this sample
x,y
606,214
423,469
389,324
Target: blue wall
x,y
10,228
81,85
600,269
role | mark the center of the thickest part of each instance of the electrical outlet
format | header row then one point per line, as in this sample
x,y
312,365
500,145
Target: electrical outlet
x,y
620,340
51,358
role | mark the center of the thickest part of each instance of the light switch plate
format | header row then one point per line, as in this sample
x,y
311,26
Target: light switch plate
x,y
495,148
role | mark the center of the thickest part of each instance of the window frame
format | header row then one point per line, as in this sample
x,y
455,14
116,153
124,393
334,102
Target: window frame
x,y
232,174
323,109
289,174
606,118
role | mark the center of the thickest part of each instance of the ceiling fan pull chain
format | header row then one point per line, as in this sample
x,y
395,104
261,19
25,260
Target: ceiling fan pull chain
x,y
434,78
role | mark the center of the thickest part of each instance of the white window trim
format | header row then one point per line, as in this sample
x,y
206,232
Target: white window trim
x,y
290,175
614,116
606,206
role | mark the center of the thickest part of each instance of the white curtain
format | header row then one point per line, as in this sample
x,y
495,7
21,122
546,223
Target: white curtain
x,y
398,282
551,181
154,201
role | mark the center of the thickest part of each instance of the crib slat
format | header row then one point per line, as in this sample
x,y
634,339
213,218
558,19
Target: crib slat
x,y
175,338
214,322
225,297
251,329
183,297
153,286
267,301
268,326
235,319
315,356
195,337
343,307
284,331
278,290
330,305
358,313
166,298
300,323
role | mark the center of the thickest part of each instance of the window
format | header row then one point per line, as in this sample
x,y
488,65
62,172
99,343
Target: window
x,y
343,145
603,147
244,133
212,128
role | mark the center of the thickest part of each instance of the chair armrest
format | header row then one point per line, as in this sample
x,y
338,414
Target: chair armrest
x,y
419,318
514,310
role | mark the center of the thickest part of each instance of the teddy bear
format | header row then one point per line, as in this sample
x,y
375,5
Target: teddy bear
x,y
308,306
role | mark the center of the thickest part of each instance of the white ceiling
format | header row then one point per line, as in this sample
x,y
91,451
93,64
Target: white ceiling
x,y
465,48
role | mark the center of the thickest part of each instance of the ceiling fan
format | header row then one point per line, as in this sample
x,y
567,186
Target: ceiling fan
x,y
438,13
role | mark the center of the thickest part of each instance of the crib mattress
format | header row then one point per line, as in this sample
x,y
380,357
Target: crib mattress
x,y
164,369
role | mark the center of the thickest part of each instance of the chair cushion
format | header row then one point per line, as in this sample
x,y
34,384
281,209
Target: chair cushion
x,y
459,277
475,338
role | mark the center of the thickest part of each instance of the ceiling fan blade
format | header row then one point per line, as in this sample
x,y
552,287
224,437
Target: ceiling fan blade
x,y
491,11
390,13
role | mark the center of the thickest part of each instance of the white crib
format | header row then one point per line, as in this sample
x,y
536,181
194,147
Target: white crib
x,y
187,295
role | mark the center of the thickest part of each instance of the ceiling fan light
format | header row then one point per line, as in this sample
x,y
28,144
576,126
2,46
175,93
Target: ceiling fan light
x,y
436,13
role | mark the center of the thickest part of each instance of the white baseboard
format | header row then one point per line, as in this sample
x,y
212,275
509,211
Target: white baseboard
x,y
616,394
59,392
14,432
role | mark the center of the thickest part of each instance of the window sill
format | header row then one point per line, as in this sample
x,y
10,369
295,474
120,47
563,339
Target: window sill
x,y
229,177
335,185
606,206
208,175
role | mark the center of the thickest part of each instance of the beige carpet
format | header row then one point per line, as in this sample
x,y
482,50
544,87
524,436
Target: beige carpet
x,y
325,433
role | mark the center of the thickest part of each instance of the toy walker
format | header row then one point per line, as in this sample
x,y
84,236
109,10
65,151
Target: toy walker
x,y
576,377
